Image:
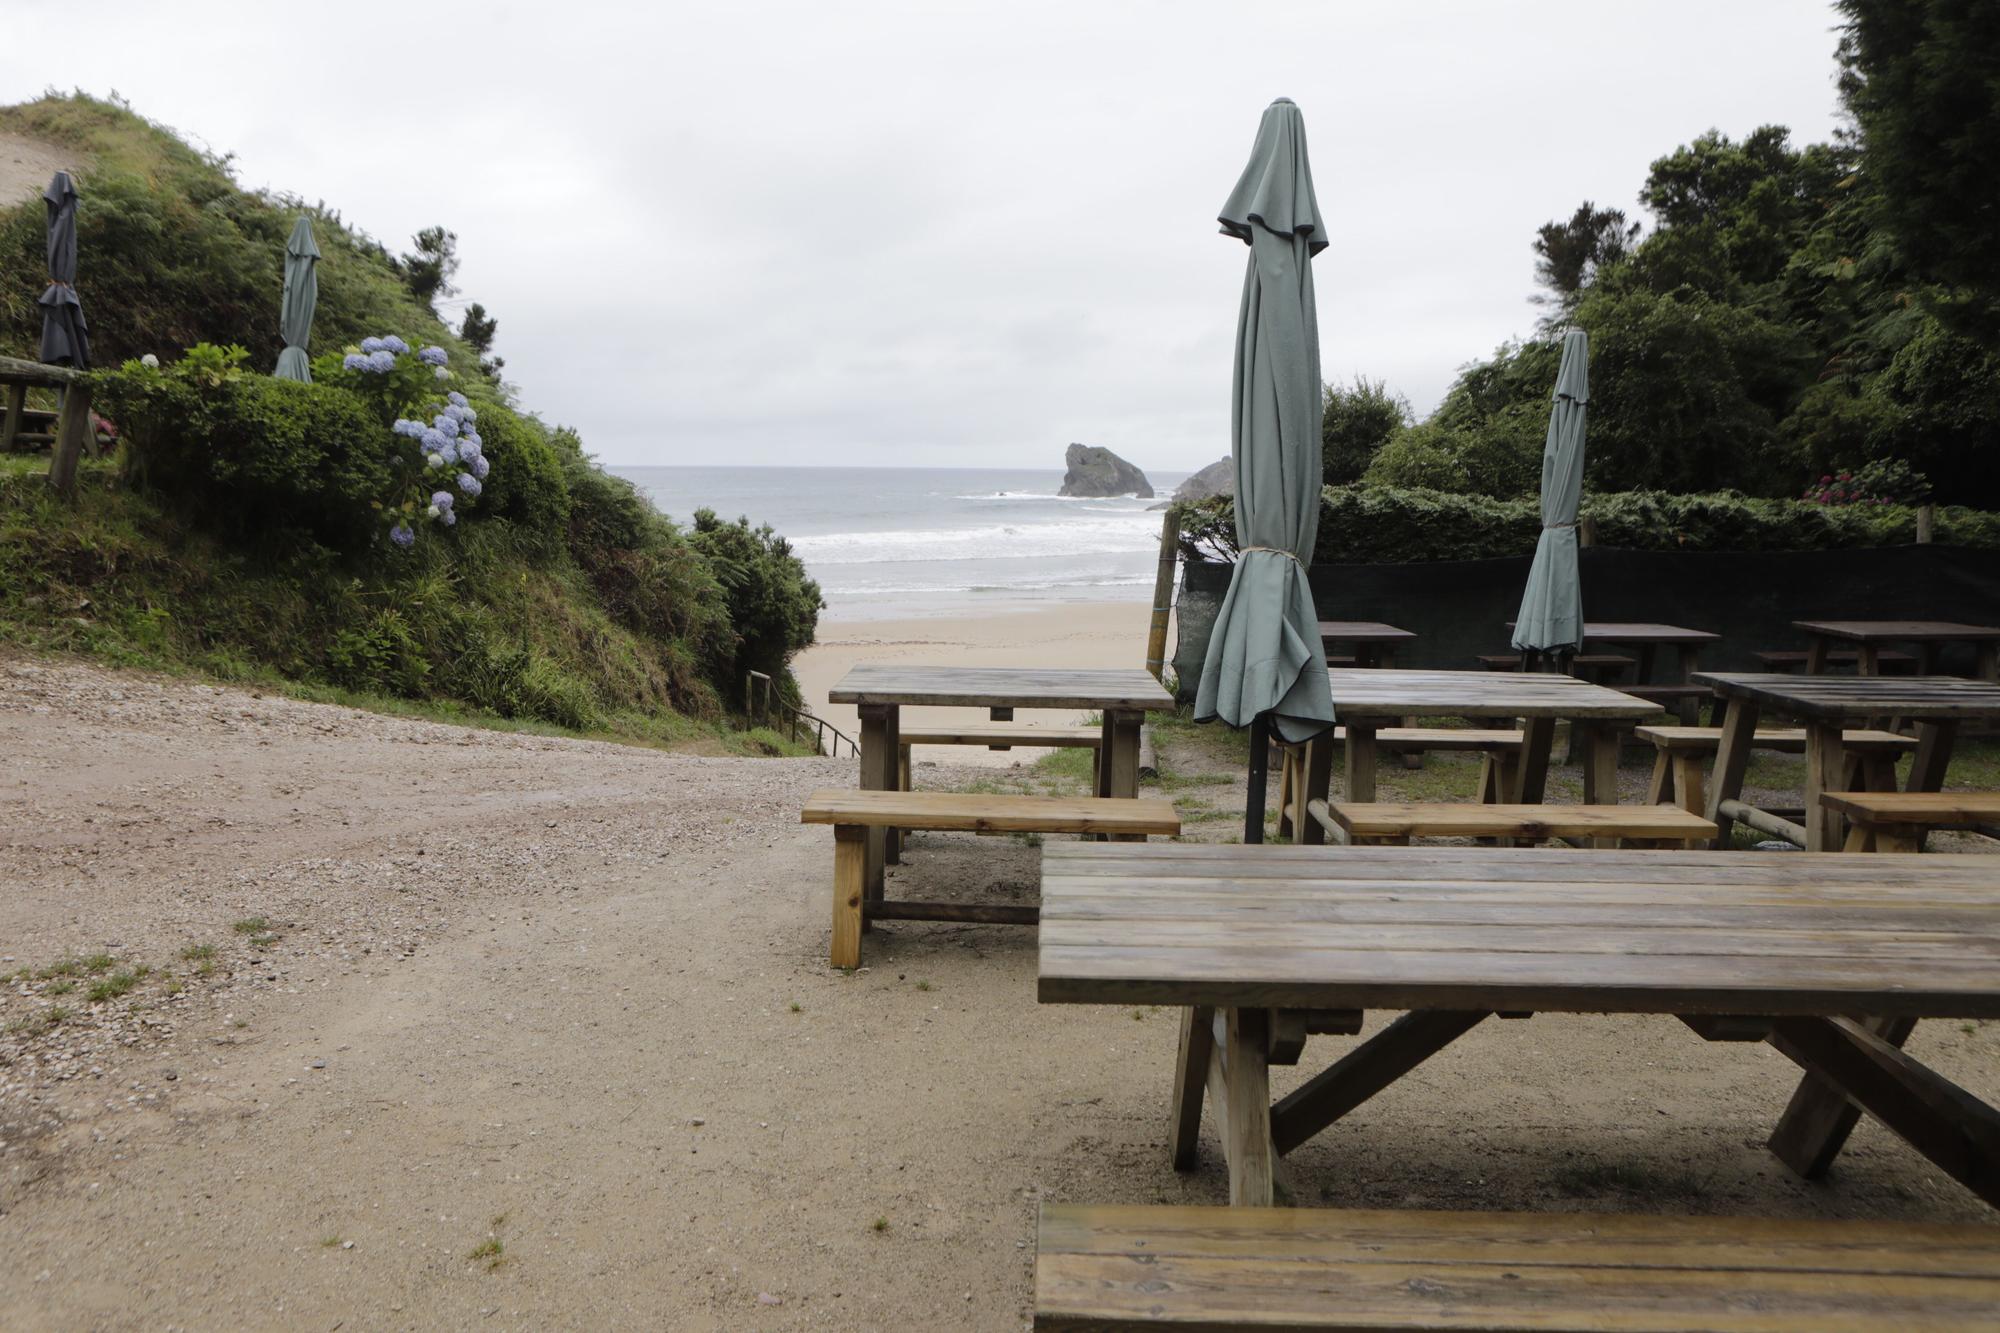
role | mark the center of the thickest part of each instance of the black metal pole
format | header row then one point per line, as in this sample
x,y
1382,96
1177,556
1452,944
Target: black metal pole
x,y
1260,763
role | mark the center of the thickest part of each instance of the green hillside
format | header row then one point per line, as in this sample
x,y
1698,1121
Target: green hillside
x,y
253,528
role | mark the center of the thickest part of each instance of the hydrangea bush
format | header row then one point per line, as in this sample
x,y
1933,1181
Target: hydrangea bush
x,y
440,459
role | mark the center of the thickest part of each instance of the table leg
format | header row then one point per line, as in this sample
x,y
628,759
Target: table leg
x,y
1365,1071
1816,656
1648,652
1933,757
1732,757
1360,759
1689,709
879,746
1825,762
1385,658
1863,1063
1314,783
1868,661
1121,776
1190,1079
1240,1063
1599,742
1818,1119
1987,661
1538,736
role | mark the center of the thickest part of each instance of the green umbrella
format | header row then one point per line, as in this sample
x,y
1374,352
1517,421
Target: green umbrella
x,y
295,316
1551,616
1264,657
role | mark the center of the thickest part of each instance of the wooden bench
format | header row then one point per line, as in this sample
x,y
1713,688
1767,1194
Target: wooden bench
x,y
853,812
1896,821
1870,758
1396,822
1501,748
1155,1266
1889,660
1589,666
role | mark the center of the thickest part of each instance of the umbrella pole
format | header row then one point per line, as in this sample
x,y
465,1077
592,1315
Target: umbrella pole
x,y
1260,765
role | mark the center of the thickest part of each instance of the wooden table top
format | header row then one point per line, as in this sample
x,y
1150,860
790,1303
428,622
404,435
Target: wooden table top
x,y
1001,687
1362,692
1754,933
1846,698
1639,631
1363,631
1900,631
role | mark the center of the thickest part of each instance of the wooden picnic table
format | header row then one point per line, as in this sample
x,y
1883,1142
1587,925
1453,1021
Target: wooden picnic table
x,y
1827,705
1366,700
1830,959
879,691
72,427
1374,643
1648,638
1931,636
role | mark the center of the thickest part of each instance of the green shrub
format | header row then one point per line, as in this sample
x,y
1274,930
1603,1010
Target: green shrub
x,y
529,483
1384,525
1420,458
261,457
773,607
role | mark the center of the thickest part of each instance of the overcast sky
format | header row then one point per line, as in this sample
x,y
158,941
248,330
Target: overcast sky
x,y
962,235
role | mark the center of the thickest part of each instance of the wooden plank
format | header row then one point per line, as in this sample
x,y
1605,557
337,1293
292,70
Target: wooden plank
x,y
1854,699
1474,739
1401,693
880,755
1365,1071
1785,740
1190,1080
1209,1268
1825,765
1952,809
13,370
71,436
1246,1086
1819,1117
1538,738
1438,819
850,886
1001,687
1732,760
1362,631
983,812
16,419
1900,631
907,909
990,734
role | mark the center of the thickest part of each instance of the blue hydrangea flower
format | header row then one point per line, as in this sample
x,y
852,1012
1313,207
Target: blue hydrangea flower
x,y
402,536
458,414
479,466
440,499
371,344
394,344
433,440
406,427
382,361
447,518
354,361
432,356
456,399
445,426
471,437
469,484
449,453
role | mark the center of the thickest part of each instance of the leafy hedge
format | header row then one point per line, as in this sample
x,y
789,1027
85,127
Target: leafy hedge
x,y
1367,524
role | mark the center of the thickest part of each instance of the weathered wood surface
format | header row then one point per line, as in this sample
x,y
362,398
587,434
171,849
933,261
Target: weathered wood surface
x,y
1438,819
1785,740
1397,693
1142,1267
1475,739
1543,930
1896,821
980,812
1078,738
1614,631
1857,698
1001,687
13,370
1900,631
1784,659
1362,631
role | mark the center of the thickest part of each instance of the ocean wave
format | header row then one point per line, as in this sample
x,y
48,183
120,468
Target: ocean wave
x,y
1111,535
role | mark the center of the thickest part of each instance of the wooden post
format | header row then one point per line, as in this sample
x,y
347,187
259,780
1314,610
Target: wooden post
x,y
17,407
850,878
1824,756
1163,596
71,430
1926,523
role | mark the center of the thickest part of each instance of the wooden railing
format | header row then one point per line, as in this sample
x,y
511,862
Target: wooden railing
x,y
758,704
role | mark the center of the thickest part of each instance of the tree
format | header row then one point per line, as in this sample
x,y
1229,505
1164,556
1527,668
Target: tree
x,y
1922,80
429,268
478,328
1570,253
1354,424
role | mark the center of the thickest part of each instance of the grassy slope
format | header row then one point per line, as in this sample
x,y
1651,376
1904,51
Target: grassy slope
x,y
120,577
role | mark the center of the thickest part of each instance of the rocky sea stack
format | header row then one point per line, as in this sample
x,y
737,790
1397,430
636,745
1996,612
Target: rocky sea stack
x,y
1218,478
1090,470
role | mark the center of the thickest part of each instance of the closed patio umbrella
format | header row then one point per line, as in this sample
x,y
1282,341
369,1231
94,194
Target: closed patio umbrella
x,y
295,316
1551,615
1264,665
65,336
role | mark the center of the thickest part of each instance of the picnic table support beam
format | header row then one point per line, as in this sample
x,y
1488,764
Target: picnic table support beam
x,y
1318,777
1819,1117
17,409
1825,763
72,432
1190,1079
1240,1078
1732,759
1365,1071
1959,1133
1260,764
879,751
1538,738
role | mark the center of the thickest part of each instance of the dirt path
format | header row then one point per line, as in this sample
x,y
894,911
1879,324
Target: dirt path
x,y
573,998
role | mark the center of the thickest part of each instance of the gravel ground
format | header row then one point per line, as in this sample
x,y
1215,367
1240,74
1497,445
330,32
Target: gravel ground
x,y
402,1025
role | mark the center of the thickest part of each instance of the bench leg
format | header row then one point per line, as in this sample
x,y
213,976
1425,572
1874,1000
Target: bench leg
x,y
1825,762
1121,761
1288,756
1688,783
892,842
1660,787
1361,759
879,743
1190,1080
1239,1066
1732,757
1538,736
850,878
1315,779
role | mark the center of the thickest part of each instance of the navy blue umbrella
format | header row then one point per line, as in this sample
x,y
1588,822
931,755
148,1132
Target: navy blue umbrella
x,y
65,336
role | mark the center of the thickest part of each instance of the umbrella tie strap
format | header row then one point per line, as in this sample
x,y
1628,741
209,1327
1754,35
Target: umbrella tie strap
x,y
58,282
1274,550
1547,526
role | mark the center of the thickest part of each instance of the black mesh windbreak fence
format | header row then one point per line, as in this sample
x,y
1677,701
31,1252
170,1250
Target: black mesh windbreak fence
x,y
1460,609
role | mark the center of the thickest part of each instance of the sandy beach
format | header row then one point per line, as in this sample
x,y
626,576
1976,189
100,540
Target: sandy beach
x,y
1071,634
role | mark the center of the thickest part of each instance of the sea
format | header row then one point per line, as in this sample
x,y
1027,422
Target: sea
x,y
889,543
